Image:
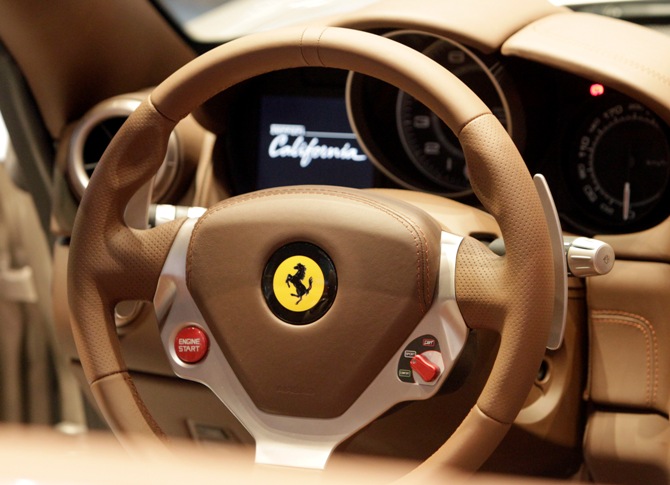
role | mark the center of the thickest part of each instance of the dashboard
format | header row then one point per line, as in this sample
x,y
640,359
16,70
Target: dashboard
x,y
605,155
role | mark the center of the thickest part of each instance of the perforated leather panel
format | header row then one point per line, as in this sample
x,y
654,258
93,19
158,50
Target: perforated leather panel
x,y
110,262
513,294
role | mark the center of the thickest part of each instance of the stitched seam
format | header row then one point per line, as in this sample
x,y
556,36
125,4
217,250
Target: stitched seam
x,y
654,340
159,112
426,264
471,120
409,225
647,346
139,402
300,45
318,48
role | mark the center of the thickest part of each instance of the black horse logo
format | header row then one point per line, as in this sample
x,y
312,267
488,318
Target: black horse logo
x,y
296,280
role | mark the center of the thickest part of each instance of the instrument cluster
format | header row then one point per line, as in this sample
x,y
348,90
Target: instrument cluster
x,y
606,156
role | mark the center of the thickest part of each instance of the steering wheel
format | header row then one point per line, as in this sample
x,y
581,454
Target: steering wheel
x,y
311,310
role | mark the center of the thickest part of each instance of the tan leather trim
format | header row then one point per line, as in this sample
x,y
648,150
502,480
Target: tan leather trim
x,y
96,460
483,24
468,448
613,52
609,329
122,407
652,244
628,309
65,50
627,448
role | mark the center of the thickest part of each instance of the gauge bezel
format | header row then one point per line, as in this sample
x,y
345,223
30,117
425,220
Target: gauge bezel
x,y
383,145
117,107
402,98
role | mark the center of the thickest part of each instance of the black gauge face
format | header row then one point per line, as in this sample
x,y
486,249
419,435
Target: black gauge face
x,y
622,165
429,143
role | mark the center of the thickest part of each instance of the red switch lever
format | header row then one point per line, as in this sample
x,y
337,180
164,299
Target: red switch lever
x,y
424,367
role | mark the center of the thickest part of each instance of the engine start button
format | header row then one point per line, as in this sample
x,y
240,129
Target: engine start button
x,y
191,344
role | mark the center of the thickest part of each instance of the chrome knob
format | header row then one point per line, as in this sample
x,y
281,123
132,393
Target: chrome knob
x,y
588,257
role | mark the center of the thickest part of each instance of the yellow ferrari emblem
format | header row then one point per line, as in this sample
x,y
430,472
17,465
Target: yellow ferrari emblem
x,y
298,283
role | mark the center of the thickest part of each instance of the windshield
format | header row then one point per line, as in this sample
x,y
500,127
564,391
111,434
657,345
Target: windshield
x,y
215,21
209,21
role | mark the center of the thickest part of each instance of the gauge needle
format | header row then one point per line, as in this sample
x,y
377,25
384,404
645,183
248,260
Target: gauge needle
x,y
626,200
626,185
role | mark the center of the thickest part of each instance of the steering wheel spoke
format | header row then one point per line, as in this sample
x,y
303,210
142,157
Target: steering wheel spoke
x,y
480,275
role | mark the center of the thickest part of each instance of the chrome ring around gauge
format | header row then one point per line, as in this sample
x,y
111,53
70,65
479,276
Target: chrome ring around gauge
x,y
93,133
430,145
620,169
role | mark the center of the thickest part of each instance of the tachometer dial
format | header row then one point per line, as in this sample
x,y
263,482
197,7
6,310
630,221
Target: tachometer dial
x,y
622,165
429,143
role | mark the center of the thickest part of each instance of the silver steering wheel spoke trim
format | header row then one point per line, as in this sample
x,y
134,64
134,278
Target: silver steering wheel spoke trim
x,y
308,442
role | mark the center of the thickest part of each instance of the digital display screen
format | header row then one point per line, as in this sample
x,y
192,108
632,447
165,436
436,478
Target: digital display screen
x,y
308,140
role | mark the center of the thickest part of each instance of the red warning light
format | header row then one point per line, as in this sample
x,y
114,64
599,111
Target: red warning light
x,y
597,90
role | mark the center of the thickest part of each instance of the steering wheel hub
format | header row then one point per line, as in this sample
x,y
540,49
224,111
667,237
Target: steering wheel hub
x,y
315,370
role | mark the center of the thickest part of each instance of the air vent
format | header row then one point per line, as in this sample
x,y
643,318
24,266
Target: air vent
x,y
97,140
92,136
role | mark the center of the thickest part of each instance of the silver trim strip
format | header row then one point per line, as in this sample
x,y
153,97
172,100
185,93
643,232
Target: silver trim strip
x,y
304,442
119,106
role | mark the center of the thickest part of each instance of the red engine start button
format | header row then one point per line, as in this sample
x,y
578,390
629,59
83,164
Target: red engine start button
x,y
191,344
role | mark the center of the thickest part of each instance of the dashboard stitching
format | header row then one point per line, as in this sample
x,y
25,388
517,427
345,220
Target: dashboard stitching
x,y
646,344
650,390
602,314
420,243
